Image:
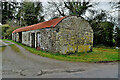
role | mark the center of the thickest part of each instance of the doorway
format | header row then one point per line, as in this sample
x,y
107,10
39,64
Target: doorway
x,y
33,40
20,37
38,39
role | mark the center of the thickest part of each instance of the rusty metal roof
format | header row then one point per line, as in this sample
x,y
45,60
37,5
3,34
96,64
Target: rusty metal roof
x,y
41,25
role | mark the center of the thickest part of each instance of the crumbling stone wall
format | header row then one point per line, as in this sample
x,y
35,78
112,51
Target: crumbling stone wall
x,y
74,35
44,38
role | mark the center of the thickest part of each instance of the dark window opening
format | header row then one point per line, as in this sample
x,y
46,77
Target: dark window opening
x,y
33,40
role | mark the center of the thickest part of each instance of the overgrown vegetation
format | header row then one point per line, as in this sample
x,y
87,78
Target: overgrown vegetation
x,y
3,30
98,54
7,31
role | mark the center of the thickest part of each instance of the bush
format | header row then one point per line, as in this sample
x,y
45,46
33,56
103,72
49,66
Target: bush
x,y
103,33
4,29
117,36
9,32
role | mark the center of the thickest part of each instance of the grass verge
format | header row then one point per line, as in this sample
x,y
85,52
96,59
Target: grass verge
x,y
7,42
2,48
15,48
98,54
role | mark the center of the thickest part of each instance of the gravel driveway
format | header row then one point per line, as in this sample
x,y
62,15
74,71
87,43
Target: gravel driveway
x,y
24,64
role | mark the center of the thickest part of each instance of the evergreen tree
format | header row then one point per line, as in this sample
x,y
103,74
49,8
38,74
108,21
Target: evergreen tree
x,y
30,13
8,11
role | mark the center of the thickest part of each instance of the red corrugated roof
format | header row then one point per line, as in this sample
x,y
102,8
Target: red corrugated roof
x,y
41,25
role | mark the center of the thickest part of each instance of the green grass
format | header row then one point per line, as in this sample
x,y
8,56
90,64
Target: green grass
x,y
98,54
7,42
15,48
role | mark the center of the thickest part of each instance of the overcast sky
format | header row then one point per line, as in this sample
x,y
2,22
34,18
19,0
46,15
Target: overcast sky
x,y
102,5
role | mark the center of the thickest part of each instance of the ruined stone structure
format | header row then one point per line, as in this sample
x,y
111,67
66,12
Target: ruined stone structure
x,y
63,35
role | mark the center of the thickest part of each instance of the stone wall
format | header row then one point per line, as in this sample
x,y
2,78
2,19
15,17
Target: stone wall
x,y
15,37
75,35
44,38
26,38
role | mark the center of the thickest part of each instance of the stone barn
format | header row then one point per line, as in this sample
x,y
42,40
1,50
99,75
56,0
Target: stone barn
x,y
63,35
